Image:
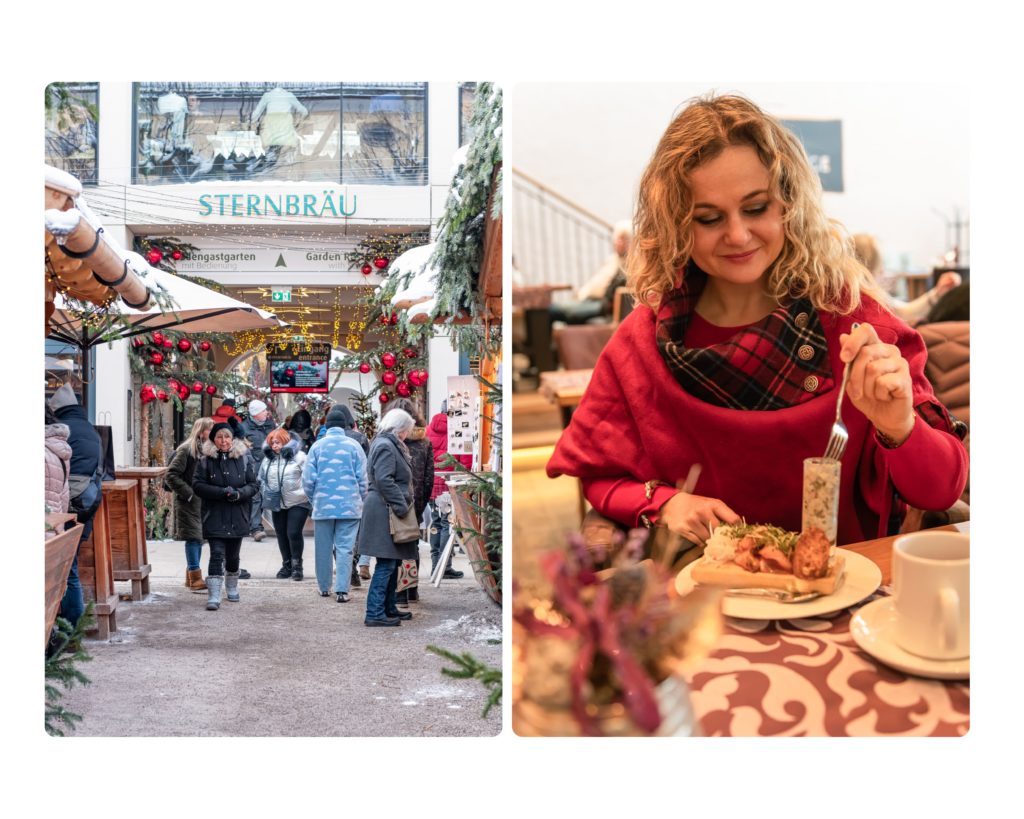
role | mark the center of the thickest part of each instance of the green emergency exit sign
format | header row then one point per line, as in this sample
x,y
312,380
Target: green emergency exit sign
x,y
281,294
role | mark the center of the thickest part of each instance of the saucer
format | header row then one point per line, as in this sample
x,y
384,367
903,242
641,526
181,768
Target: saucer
x,y
871,629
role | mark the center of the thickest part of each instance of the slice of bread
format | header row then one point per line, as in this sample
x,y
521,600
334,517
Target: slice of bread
x,y
731,576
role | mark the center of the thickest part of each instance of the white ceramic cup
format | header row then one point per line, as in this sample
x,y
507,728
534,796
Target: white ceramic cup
x,y
932,594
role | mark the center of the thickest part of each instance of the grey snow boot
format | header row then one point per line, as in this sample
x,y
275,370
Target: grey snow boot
x,y
231,584
214,585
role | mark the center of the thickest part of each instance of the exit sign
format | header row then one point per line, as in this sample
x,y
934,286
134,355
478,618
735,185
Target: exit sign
x,y
281,294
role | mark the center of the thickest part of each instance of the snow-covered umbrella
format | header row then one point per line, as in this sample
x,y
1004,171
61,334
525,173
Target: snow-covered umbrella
x,y
194,309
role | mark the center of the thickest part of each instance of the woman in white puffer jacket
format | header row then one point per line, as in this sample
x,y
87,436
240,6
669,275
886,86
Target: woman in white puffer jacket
x,y
281,471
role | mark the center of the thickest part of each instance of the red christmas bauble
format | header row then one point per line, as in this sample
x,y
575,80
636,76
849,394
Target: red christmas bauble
x,y
289,373
300,366
410,352
184,392
138,342
173,383
184,345
384,320
384,397
168,344
162,395
389,378
204,346
423,375
176,255
414,378
366,269
158,338
403,389
211,389
364,367
154,255
380,262
394,319
388,360
147,394
156,358
197,386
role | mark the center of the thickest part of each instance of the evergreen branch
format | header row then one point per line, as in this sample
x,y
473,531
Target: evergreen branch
x,y
64,652
469,667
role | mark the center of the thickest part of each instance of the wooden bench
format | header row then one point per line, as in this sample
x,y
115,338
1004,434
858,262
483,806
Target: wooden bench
x,y
127,518
60,554
96,572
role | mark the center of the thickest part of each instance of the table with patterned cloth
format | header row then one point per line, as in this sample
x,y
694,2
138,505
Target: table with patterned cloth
x,y
807,677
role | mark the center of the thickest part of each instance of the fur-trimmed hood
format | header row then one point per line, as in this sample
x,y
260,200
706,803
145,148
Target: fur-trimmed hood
x,y
238,449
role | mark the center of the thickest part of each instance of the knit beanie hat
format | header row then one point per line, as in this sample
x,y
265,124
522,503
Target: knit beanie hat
x,y
64,397
218,427
256,407
228,402
339,417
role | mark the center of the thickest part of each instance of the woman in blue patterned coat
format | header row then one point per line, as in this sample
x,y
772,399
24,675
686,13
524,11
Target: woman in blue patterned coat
x,y
334,479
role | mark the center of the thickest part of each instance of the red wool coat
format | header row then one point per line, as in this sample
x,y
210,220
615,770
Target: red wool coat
x,y
437,432
635,423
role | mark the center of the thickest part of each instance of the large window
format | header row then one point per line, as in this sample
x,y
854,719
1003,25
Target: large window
x,y
467,97
72,117
331,132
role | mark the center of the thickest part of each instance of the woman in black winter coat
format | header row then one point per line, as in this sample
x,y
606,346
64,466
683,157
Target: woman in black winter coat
x,y
226,481
390,477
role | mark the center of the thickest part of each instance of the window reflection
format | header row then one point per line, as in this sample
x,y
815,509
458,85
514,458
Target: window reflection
x,y
72,117
351,133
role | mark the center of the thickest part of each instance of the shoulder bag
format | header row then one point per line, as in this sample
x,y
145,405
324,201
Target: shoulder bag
x,y
272,497
405,528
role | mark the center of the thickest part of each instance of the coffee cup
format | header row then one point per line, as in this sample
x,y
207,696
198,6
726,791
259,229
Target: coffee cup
x,y
932,594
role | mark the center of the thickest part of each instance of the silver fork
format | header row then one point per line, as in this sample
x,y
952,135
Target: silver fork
x,y
780,595
837,440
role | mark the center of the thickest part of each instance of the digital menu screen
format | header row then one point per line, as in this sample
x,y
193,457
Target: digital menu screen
x,y
299,367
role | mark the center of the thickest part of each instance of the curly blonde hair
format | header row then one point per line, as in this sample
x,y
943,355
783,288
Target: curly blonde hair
x,y
817,259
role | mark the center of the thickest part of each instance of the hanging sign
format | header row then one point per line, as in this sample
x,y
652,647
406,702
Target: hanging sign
x,y
281,294
464,417
296,367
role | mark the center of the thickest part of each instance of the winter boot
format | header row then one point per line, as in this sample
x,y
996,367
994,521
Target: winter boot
x,y
285,571
296,569
364,572
231,585
195,580
214,585
354,580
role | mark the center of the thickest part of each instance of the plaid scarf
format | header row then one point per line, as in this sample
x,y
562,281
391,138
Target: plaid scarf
x,y
768,365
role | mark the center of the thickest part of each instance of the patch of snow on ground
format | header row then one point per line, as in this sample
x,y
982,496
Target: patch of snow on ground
x,y
472,627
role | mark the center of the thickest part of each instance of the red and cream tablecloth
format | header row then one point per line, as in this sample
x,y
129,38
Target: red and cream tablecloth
x,y
808,677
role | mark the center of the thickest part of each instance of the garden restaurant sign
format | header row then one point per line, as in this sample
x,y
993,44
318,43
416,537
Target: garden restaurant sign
x,y
319,206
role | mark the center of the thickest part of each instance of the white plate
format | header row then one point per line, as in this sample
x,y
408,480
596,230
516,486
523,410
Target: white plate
x,y
862,578
871,629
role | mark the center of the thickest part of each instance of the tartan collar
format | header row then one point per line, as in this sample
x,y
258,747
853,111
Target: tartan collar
x,y
778,362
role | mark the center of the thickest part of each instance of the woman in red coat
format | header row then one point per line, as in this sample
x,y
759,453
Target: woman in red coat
x,y
756,304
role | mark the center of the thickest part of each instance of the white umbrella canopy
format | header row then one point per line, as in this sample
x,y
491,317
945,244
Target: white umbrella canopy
x,y
194,309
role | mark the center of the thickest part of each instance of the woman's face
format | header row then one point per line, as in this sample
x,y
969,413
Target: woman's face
x,y
223,440
204,434
737,224
276,445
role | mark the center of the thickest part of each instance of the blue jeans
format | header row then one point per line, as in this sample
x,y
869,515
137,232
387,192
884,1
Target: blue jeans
x,y
334,539
193,554
380,598
72,604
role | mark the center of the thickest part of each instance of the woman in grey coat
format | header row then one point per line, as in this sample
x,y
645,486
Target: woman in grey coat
x,y
390,476
188,509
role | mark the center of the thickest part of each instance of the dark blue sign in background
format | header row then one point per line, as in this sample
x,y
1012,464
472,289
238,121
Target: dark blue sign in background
x,y
823,141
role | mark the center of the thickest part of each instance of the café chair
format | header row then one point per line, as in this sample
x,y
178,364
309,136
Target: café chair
x,y
579,345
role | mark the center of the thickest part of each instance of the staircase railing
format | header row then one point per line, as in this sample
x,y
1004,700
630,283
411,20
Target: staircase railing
x,y
555,240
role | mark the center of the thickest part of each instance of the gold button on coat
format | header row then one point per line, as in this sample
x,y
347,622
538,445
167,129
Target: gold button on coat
x,y
811,383
806,352
801,320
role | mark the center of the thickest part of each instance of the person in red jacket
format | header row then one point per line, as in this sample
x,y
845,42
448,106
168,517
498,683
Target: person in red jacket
x,y
440,500
756,303
226,411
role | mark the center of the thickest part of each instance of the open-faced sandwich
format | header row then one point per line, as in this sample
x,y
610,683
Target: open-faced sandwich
x,y
753,556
